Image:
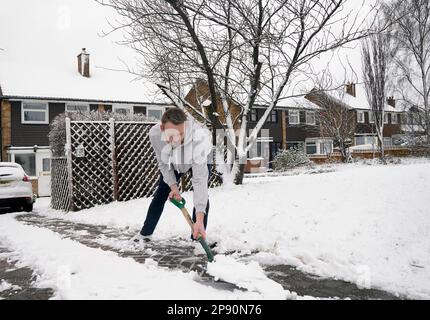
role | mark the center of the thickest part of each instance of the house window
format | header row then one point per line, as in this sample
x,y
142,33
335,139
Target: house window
x,y
34,113
77,108
326,147
386,118
394,118
254,115
273,116
388,142
28,162
126,110
294,117
360,117
371,117
46,165
154,113
311,147
310,118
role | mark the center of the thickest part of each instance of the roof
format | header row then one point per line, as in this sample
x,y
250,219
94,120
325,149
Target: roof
x,y
40,48
359,102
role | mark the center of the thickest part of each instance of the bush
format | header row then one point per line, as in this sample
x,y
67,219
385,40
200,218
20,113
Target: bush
x,y
289,159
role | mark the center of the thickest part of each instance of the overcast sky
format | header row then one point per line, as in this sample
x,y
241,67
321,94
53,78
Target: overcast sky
x,y
56,30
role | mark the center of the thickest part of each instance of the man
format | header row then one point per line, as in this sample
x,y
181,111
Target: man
x,y
180,145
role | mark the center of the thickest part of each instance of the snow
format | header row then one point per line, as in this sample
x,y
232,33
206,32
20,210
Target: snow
x,y
5,286
367,224
75,271
250,277
41,45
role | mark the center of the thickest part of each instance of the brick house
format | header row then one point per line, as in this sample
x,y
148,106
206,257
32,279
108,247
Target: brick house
x,y
353,99
29,104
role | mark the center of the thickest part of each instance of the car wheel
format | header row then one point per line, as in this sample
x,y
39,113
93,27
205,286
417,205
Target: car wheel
x,y
16,209
28,207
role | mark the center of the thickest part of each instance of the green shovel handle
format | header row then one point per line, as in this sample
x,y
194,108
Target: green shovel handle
x,y
179,204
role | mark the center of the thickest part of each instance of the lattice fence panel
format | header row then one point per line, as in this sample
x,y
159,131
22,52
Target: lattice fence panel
x,y
136,162
92,177
60,195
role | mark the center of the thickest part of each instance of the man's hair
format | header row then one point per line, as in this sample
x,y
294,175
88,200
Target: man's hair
x,y
175,116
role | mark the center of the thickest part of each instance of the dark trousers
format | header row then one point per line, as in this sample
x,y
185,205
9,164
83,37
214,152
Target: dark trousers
x,y
157,206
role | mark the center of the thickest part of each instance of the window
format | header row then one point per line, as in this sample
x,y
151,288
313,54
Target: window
x,y
34,113
326,147
394,118
294,117
386,118
77,108
388,142
273,116
371,117
28,163
310,118
123,109
311,148
360,117
154,113
254,115
46,165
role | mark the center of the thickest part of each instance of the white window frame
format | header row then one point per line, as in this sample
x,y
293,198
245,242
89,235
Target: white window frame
x,y
40,154
394,116
362,114
77,104
318,142
386,121
307,118
371,117
123,106
297,113
155,108
46,121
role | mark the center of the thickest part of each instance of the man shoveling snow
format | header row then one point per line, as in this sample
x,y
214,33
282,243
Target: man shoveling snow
x,y
180,144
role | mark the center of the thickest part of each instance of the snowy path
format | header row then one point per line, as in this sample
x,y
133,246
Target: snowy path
x,y
17,282
177,254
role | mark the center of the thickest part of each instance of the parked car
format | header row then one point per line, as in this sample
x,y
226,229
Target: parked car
x,y
16,191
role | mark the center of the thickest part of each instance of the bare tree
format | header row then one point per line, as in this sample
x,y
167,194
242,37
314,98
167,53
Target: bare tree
x,y
411,26
248,51
377,53
337,121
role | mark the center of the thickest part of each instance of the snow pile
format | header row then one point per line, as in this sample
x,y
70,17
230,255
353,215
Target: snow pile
x,y
248,276
5,286
75,271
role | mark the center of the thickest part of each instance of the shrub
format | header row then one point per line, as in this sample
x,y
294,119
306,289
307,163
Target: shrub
x,y
289,159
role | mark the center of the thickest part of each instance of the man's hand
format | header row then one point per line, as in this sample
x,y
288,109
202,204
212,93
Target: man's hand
x,y
199,227
175,194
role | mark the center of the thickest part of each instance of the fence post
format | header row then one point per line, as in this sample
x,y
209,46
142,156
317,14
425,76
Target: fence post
x,y
114,159
69,163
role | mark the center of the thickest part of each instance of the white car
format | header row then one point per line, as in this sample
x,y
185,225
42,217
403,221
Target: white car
x,y
16,191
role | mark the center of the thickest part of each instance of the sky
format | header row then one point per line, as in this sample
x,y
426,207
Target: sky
x,y
54,31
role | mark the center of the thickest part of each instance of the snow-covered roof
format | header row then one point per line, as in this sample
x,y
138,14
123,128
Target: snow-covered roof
x,y
298,103
39,48
359,102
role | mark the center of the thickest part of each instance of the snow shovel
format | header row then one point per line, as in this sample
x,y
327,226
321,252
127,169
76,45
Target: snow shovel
x,y
181,206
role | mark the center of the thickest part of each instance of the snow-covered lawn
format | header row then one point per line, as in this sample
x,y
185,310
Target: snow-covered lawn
x,y
365,224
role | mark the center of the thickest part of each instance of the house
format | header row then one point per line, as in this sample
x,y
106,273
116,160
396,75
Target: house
x,y
353,99
30,103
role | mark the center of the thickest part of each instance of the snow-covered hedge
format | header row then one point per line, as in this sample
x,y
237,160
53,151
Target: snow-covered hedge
x,y
289,159
57,134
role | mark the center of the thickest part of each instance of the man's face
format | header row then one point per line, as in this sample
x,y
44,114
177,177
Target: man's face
x,y
173,134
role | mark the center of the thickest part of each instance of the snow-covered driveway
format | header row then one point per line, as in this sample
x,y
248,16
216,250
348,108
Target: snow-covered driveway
x,y
368,225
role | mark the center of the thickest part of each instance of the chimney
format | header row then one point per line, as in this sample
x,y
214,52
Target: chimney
x,y
391,101
351,89
84,63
